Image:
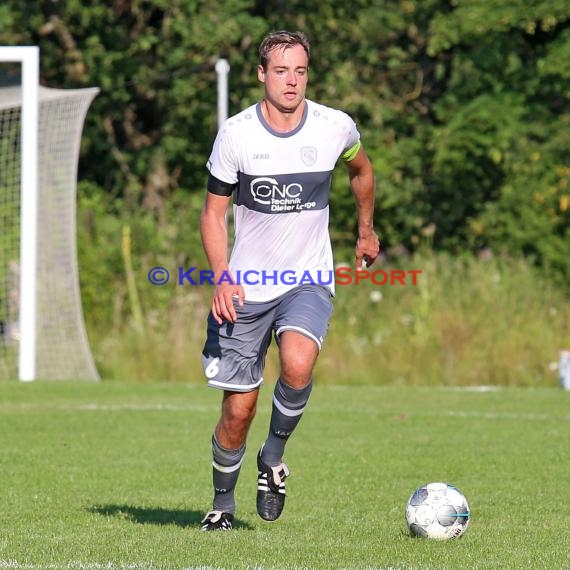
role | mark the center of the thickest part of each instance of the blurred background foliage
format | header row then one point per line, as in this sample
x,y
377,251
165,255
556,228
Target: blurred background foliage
x,y
463,107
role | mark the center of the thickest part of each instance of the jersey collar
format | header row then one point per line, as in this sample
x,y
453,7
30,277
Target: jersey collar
x,y
277,133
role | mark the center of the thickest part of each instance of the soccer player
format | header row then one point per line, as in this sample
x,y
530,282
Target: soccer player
x,y
276,160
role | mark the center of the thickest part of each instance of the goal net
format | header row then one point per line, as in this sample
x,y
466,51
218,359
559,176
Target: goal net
x,y
60,349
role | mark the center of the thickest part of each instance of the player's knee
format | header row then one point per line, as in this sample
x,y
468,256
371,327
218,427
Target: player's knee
x,y
296,376
238,418
297,372
298,354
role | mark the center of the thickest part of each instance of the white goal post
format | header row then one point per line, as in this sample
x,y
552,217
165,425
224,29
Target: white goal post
x,y
42,333
28,56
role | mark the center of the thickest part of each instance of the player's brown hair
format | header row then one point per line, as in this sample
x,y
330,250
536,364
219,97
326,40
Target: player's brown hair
x,y
282,39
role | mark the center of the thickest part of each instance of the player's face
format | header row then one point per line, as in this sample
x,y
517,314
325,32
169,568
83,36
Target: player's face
x,y
285,78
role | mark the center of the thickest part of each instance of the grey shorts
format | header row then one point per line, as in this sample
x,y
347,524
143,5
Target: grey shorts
x,y
234,354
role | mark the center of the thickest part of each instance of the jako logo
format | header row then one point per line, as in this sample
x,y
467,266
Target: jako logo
x,y
267,190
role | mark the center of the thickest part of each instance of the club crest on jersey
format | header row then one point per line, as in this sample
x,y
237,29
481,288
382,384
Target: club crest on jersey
x,y
309,155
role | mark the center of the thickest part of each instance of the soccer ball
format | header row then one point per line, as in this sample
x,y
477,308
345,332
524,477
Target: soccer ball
x,y
437,510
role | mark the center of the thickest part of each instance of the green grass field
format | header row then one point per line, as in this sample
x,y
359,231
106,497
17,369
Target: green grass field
x,y
117,476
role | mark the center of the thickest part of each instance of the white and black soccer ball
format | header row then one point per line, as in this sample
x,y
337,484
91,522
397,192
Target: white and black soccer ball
x,y
437,510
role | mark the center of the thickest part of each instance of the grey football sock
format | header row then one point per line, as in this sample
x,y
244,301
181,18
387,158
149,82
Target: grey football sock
x,y
288,407
225,472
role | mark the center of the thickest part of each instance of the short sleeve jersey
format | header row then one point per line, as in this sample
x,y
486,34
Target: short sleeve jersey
x,y
281,201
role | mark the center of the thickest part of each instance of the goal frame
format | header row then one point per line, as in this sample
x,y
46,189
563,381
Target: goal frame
x,y
28,57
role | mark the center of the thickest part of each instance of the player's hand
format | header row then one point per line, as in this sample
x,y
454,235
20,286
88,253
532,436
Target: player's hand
x,y
367,249
223,308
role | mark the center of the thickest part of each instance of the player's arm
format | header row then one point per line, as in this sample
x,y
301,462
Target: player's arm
x,y
362,183
214,233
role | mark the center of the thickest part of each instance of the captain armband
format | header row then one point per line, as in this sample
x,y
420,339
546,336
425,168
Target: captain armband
x,y
349,154
219,187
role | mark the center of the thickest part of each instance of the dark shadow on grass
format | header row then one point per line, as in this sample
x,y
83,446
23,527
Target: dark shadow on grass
x,y
157,515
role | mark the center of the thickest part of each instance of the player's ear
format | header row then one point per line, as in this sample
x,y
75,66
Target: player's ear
x,y
261,73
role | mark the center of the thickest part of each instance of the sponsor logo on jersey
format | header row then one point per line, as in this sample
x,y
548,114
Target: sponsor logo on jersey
x,y
284,193
269,192
261,156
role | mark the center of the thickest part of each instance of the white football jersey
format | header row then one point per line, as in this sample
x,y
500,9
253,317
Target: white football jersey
x,y
281,204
